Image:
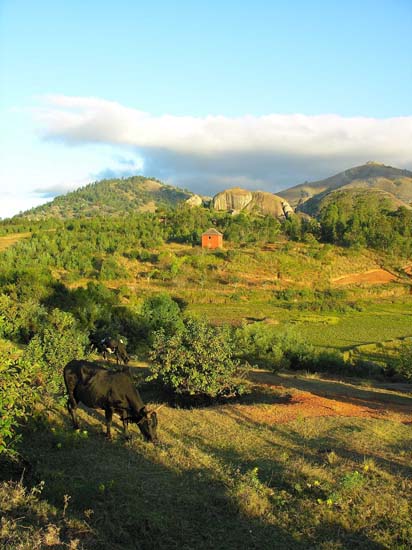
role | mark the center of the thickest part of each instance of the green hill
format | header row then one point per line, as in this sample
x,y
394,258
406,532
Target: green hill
x,y
347,198
111,197
372,175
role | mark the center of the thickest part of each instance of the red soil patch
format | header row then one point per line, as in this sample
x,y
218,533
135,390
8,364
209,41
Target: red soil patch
x,y
371,277
303,404
408,270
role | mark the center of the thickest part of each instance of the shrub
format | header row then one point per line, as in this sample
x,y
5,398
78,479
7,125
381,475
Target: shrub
x,y
272,348
111,270
198,359
161,312
58,342
402,364
18,393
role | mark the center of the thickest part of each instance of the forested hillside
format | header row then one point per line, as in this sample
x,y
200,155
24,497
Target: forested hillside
x,y
111,198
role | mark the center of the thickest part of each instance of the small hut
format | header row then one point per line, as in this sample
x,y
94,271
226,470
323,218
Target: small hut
x,y
212,239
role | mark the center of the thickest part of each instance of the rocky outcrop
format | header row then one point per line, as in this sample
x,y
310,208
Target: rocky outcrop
x,y
260,202
194,200
230,200
287,209
266,204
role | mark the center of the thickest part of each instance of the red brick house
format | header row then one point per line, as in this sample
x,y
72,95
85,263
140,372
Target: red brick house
x,y
212,239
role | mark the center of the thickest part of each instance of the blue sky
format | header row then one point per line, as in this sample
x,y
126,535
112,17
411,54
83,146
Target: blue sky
x,y
203,95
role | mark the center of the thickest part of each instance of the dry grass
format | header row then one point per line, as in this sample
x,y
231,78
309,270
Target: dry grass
x,y
9,240
28,522
232,476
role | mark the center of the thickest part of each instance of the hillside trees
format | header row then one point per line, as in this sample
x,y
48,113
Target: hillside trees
x,y
186,224
249,229
367,223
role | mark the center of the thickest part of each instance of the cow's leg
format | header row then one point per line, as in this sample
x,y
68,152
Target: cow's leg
x,y
108,413
71,407
125,424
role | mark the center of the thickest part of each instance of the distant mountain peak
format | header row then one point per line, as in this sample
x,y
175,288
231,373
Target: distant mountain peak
x,y
370,176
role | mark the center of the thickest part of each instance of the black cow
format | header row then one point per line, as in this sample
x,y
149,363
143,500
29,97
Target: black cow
x,y
99,388
111,345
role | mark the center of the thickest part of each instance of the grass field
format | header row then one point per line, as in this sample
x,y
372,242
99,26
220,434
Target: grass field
x,y
300,463
377,322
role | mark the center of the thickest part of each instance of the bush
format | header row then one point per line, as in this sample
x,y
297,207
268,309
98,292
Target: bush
x,y
402,364
161,312
111,270
197,360
58,342
18,394
271,348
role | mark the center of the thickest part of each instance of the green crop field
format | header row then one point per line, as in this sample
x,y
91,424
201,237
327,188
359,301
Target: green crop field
x,y
377,322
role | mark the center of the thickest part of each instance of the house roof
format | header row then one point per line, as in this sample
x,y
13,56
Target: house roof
x,y
212,231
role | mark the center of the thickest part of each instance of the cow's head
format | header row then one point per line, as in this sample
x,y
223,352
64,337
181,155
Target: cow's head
x,y
148,424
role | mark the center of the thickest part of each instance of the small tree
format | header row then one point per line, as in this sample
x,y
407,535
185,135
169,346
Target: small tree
x,y
57,343
18,394
161,312
195,360
403,363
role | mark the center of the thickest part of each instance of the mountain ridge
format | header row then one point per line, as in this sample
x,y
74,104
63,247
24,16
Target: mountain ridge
x,y
114,197
372,175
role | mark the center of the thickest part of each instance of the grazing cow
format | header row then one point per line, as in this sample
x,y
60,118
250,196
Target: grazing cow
x,y
99,388
111,345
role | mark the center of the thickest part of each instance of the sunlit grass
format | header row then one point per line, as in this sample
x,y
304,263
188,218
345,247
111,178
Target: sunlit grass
x,y
223,478
10,240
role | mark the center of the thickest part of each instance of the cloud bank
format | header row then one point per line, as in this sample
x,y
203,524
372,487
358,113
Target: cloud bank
x,y
269,152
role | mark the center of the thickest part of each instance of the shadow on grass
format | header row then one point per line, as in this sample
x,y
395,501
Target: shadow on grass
x,y
298,487
133,501
314,449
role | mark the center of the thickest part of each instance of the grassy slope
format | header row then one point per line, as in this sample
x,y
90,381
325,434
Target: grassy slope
x,y
10,240
269,472
242,289
226,477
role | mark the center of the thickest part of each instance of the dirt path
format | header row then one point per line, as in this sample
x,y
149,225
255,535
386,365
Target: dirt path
x,y
297,397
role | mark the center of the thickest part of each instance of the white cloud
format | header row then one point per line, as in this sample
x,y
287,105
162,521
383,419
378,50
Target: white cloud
x,y
204,153
14,204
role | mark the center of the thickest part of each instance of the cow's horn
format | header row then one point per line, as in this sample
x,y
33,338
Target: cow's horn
x,y
157,409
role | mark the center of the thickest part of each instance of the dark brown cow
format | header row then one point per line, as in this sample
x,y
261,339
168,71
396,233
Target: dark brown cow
x,y
99,388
